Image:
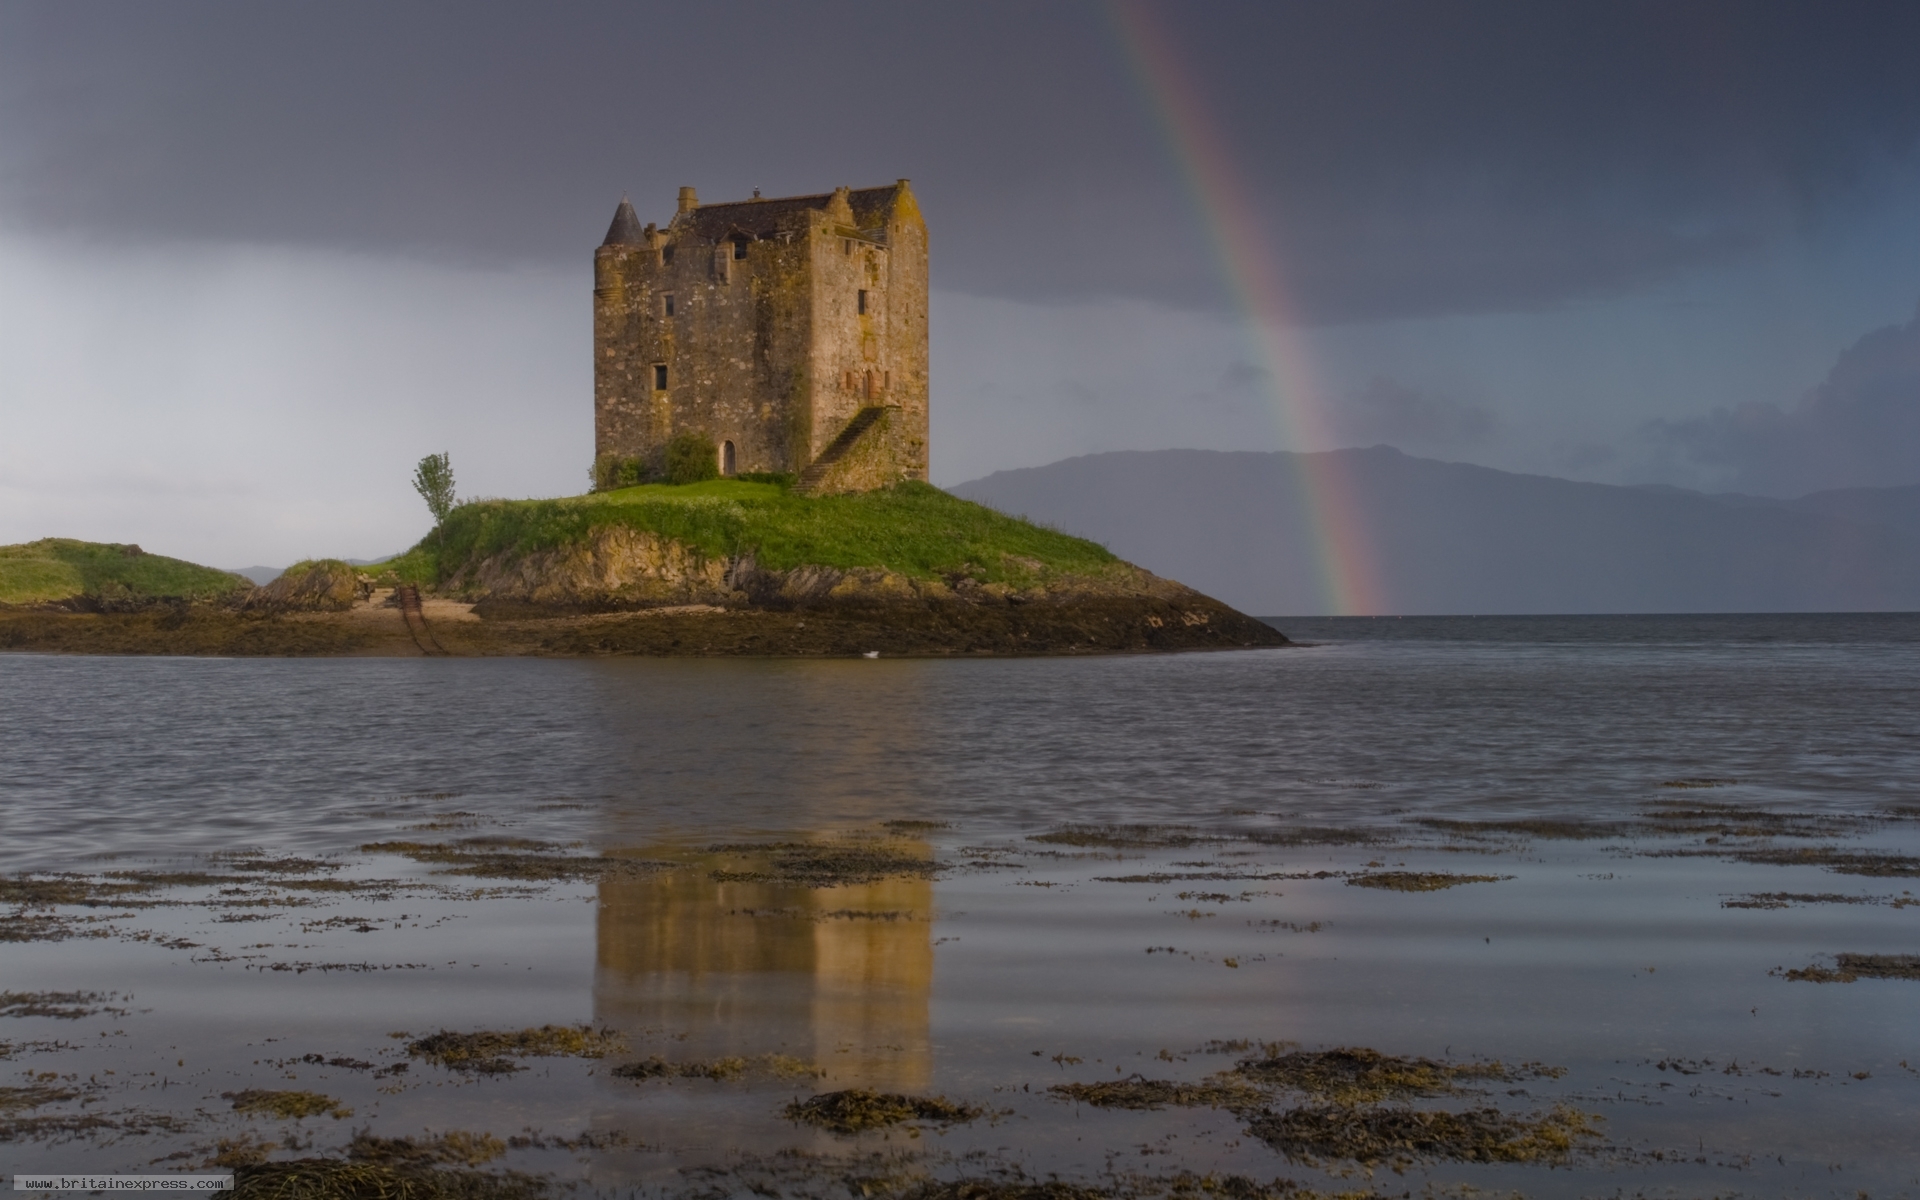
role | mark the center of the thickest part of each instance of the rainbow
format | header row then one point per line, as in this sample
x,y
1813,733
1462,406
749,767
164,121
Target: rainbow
x,y
1251,266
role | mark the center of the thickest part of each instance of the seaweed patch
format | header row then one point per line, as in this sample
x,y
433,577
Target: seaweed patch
x,y
731,1067
1350,1075
825,864
1372,1135
1849,967
287,1106
514,858
337,1179
61,1006
1125,837
491,1052
856,1110
1137,1092
1418,881
457,1146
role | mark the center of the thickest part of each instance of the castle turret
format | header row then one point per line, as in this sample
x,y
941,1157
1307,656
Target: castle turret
x,y
625,230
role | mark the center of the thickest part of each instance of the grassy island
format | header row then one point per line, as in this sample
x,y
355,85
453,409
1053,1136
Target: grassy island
x,y
914,530
723,567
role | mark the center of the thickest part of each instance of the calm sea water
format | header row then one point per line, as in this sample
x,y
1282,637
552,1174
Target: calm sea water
x,y
1027,964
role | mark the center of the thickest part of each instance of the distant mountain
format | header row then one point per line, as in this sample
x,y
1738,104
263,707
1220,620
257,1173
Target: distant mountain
x,y
1452,538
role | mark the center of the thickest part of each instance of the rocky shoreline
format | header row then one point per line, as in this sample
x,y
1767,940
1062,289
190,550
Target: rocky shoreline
x,y
735,609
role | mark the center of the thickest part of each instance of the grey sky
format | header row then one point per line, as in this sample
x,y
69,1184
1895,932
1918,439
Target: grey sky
x,y
257,250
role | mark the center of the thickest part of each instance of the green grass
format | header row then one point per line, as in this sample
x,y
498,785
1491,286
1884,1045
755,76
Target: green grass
x,y
914,529
57,568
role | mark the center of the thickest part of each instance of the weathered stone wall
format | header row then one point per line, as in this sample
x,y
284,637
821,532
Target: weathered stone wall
x,y
765,345
879,458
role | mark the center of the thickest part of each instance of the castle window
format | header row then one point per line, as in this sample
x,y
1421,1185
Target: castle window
x,y
659,377
666,254
863,302
726,458
740,248
668,304
846,245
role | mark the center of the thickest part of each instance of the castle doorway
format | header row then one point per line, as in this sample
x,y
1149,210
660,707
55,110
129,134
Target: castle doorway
x,y
726,458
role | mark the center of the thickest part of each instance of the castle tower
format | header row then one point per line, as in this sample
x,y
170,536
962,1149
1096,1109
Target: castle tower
x,y
789,333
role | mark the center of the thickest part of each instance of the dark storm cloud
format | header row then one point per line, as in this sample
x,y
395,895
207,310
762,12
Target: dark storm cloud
x,y
1857,429
1407,158
1385,410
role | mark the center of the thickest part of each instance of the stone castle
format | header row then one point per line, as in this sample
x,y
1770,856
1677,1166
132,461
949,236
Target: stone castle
x,y
790,334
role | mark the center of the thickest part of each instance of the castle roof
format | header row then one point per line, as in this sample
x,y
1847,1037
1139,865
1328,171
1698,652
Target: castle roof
x,y
625,230
871,209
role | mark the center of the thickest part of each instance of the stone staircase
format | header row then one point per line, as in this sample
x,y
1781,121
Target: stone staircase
x,y
837,449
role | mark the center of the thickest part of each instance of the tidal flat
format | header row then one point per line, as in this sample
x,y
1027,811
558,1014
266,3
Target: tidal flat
x,y
1566,910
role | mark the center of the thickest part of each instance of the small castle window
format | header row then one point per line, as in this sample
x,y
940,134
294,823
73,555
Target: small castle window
x,y
740,248
666,254
846,245
669,304
659,377
863,302
726,458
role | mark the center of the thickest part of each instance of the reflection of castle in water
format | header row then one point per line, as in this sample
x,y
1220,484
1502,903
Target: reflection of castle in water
x,y
691,967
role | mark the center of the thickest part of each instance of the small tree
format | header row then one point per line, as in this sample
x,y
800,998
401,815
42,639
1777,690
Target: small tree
x,y
691,457
433,479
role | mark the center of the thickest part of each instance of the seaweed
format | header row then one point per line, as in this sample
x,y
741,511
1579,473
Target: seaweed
x,y
514,858
1138,1092
1731,820
287,1106
490,1052
40,890
1849,967
858,1109
826,864
61,1006
15,1099
24,926
1008,1189
1418,881
336,1179
457,1146
1350,1075
1125,837
1783,899
1870,863
1314,835
86,1124
1537,827
732,1067
1370,1135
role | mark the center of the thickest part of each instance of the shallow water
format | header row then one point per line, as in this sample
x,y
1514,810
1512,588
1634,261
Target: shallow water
x,y
1021,965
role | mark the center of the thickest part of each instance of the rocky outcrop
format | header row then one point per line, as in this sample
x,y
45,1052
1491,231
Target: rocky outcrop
x,y
326,586
617,569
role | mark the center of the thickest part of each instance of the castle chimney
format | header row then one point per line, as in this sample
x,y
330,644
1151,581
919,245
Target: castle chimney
x,y
688,200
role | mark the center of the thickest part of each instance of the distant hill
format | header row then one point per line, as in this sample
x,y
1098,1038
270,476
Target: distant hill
x,y
97,574
1453,538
